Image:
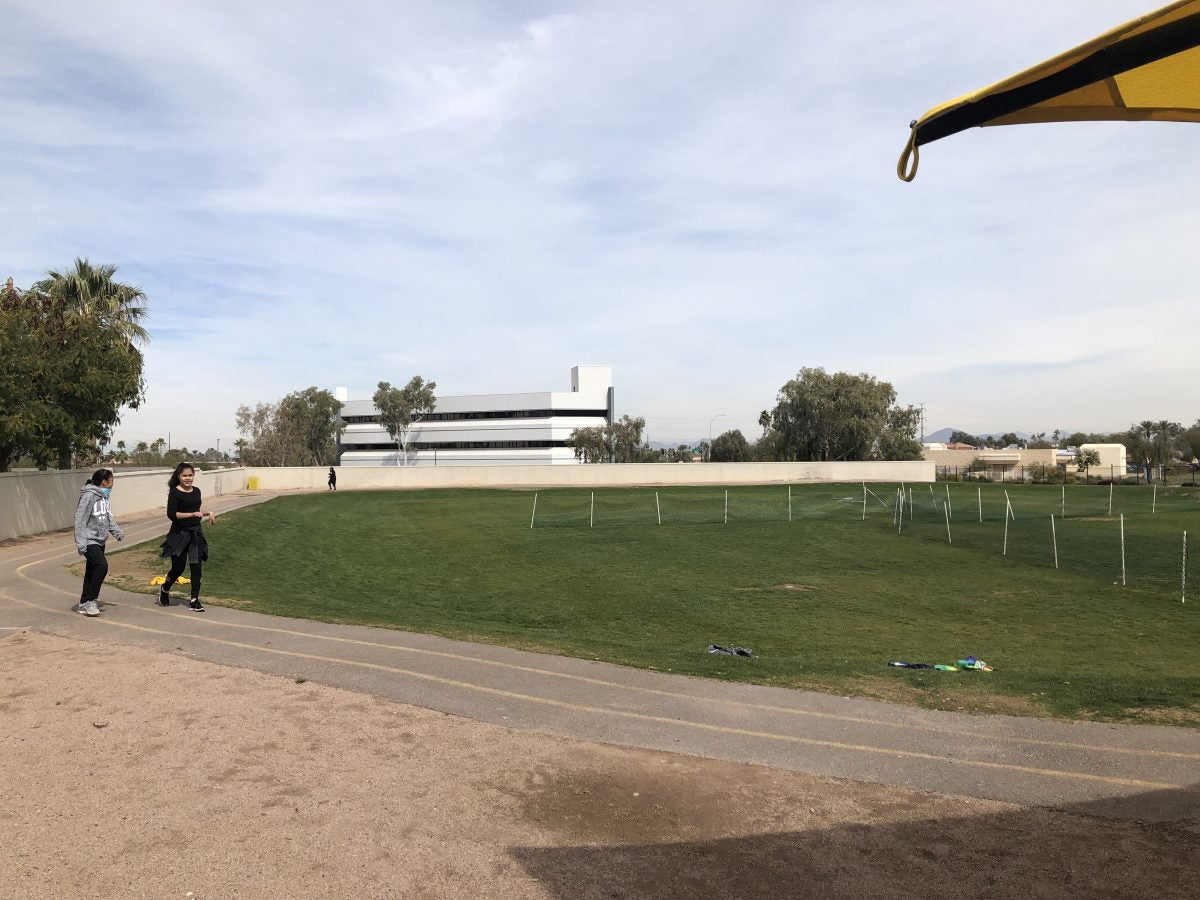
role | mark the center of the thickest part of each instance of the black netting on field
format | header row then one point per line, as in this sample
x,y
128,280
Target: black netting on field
x,y
1088,538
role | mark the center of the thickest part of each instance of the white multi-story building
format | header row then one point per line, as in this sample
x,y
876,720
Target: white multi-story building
x,y
485,429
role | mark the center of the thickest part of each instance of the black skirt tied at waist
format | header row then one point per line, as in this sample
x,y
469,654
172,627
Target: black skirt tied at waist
x,y
186,540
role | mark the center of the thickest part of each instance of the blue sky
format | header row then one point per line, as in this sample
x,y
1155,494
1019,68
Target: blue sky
x,y
701,195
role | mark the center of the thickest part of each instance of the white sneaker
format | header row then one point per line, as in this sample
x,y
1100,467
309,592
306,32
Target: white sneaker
x,y
90,608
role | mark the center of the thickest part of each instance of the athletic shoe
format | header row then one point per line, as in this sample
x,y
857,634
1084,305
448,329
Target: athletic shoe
x,y
196,606
90,608
164,596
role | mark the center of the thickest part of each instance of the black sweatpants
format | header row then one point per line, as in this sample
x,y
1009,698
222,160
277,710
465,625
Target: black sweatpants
x,y
177,564
95,570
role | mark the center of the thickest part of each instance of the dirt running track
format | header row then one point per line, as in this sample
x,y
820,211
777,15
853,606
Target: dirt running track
x,y
162,756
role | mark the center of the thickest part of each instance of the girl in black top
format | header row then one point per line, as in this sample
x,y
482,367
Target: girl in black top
x,y
185,543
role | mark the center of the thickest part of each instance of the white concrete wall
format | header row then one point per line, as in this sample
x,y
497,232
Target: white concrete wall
x,y
33,502
600,475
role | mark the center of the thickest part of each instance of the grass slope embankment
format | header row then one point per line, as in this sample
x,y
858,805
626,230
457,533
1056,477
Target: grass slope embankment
x,y
825,600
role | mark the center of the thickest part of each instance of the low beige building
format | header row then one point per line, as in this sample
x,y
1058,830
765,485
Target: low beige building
x,y
999,465
1112,459
1014,464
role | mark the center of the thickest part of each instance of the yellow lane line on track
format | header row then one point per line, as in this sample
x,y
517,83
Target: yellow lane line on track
x,y
645,717
656,692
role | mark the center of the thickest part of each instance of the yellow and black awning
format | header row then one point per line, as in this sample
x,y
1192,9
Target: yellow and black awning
x,y
1147,69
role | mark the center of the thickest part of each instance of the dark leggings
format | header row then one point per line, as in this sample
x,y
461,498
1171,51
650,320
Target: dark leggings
x,y
177,564
94,572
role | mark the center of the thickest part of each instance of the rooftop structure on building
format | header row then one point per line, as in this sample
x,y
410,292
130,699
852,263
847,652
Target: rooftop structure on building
x,y
484,429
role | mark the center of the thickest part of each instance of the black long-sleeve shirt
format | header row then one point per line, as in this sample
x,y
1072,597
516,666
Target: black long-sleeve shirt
x,y
181,502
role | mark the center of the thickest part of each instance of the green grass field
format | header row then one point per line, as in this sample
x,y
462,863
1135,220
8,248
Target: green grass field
x,y
825,600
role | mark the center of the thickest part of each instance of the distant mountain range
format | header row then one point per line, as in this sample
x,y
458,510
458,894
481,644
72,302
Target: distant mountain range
x,y
944,434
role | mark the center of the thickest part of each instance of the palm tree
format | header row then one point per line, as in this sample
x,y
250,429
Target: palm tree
x,y
87,290
1143,431
1166,432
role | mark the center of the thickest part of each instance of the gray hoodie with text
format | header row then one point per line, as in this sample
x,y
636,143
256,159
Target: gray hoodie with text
x,y
94,520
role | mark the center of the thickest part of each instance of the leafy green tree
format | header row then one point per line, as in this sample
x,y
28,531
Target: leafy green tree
x,y
626,438
261,443
310,420
1165,434
25,409
769,447
77,365
1085,459
730,447
400,408
619,442
962,437
899,438
826,417
1140,444
591,445
682,453
1189,442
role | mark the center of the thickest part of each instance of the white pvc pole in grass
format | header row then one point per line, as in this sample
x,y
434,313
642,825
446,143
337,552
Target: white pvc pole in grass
x,y
1122,549
1008,510
1054,538
910,505
932,499
1110,487
726,507
1154,500
979,499
949,511
949,540
1183,577
790,503
592,511
534,516
864,518
657,508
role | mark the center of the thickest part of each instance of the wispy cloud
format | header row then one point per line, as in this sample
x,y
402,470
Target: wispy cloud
x,y
701,195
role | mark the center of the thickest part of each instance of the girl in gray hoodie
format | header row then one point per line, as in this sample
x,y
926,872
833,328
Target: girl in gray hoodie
x,y
94,522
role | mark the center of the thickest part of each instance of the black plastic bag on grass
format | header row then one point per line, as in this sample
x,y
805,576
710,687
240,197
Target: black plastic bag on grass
x,y
730,651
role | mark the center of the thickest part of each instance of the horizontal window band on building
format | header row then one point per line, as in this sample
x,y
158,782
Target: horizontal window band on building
x,y
487,414
443,432
452,445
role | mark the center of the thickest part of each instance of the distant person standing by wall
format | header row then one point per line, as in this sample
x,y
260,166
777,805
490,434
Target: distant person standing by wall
x,y
94,522
332,479
185,544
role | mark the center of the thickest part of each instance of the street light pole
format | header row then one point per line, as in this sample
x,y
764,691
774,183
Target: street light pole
x,y
710,425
